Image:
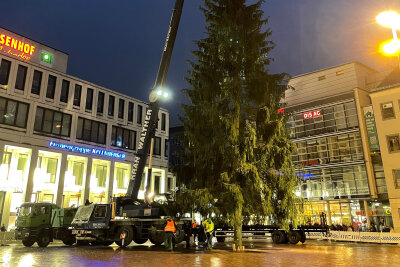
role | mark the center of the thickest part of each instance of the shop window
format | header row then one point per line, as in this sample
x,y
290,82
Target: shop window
x,y
92,131
163,121
100,103
351,114
21,77
139,114
52,169
170,183
396,178
51,86
121,108
77,95
157,146
64,91
143,181
393,143
123,138
101,175
36,82
78,169
130,112
4,71
13,112
121,174
111,100
89,99
340,117
387,111
48,198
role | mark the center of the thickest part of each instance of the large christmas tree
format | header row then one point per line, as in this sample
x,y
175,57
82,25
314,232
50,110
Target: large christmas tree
x,y
237,154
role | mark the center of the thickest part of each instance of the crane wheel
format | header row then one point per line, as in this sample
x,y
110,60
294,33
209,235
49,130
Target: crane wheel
x,y
125,236
279,237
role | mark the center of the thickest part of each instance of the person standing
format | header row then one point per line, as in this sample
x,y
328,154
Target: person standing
x,y
170,229
209,228
194,231
3,235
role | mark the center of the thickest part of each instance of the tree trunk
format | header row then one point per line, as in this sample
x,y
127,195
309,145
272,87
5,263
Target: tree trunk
x,y
237,226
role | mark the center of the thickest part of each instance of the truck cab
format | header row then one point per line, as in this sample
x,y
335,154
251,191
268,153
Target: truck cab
x,y
43,222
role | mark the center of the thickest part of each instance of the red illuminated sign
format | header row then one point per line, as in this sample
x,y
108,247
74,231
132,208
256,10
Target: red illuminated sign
x,y
311,114
16,47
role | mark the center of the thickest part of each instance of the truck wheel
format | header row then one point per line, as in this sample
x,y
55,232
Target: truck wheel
x,y
294,237
303,236
180,236
221,239
44,239
128,232
140,241
28,242
279,237
157,238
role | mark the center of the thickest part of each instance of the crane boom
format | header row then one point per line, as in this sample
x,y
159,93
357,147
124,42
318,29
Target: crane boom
x,y
151,118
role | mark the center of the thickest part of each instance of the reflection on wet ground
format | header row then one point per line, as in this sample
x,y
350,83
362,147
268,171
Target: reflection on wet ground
x,y
257,253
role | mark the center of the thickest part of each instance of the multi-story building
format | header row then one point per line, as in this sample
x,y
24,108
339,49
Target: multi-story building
x,y
63,139
341,174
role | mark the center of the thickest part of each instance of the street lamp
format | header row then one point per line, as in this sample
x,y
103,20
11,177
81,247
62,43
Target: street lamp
x,y
391,20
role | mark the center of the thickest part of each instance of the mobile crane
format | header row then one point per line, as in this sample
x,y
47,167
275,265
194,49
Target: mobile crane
x,y
128,218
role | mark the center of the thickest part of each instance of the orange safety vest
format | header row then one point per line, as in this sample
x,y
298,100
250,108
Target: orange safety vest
x,y
170,227
194,225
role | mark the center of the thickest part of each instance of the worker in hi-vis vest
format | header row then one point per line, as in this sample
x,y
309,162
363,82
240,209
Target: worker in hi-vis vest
x,y
170,229
209,229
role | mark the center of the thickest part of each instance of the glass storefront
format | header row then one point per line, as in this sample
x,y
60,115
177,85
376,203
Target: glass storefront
x,y
13,177
47,174
121,178
74,182
99,180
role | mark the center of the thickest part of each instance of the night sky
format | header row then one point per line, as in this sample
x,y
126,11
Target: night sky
x,y
118,44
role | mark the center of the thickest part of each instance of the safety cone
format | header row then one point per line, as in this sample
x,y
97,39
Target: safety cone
x,y
299,243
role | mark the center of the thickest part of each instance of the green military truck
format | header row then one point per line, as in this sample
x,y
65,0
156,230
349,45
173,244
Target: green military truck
x,y
42,223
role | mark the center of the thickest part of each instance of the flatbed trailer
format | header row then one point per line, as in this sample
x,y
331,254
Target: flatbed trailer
x,y
278,235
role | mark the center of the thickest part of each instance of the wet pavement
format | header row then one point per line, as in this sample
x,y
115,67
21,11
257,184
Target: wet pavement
x,y
257,253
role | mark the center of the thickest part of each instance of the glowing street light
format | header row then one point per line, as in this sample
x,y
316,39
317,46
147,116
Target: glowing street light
x,y
392,20
157,93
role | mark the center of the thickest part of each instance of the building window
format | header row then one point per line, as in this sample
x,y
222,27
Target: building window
x,y
89,99
130,112
21,77
157,182
52,169
111,100
78,170
121,174
4,71
387,111
166,149
139,114
393,143
13,112
36,82
64,91
123,138
121,108
320,78
100,103
92,131
396,178
340,72
157,146
163,121
51,86
52,122
77,95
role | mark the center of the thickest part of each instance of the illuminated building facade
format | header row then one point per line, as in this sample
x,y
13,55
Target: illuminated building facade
x,y
63,139
342,174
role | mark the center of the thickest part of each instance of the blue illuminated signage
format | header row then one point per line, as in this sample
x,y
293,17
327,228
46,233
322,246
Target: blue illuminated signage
x,y
85,150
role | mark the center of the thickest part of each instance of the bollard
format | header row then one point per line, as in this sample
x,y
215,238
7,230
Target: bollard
x,y
234,247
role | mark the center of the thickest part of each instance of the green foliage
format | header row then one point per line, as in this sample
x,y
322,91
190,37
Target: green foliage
x,y
237,153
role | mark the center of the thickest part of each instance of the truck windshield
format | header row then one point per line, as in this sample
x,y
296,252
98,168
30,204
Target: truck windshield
x,y
84,213
25,211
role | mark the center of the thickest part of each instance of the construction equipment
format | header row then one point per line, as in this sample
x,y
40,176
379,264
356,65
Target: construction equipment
x,y
44,222
128,218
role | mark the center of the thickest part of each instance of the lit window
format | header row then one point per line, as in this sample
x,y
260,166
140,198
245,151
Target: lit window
x,y
340,72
